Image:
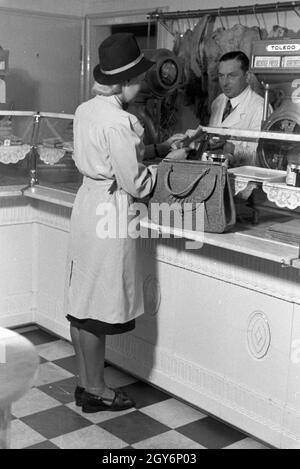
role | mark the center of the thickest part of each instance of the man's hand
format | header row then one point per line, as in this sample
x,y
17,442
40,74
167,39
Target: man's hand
x,y
229,148
216,143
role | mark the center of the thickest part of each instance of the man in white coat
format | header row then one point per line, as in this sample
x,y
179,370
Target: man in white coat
x,y
238,107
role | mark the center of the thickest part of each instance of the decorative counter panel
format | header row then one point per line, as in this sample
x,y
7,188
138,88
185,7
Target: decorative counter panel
x,y
282,195
222,320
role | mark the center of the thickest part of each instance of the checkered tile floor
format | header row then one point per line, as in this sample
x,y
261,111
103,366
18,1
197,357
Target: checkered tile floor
x,y
46,417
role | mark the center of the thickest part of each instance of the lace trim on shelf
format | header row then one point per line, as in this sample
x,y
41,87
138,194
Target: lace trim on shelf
x,y
282,195
50,155
13,154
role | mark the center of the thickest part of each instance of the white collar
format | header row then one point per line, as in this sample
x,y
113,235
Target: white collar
x,y
114,100
240,98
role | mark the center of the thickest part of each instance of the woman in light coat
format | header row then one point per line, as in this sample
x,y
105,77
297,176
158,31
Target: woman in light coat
x,y
104,285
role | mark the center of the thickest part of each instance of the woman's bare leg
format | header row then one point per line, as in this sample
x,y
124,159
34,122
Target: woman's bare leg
x,y
93,350
82,380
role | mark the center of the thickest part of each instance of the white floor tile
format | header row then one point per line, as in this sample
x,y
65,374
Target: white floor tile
x,y
55,350
168,440
22,435
173,413
247,443
33,401
49,373
92,437
170,412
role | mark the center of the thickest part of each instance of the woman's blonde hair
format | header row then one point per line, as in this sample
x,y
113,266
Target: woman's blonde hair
x,y
106,90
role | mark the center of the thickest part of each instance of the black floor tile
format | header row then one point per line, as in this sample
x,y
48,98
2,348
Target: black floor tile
x,y
144,395
63,391
55,422
44,445
39,337
133,427
211,433
67,363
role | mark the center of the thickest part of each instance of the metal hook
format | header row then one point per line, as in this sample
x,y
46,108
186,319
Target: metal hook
x,y
167,28
277,12
220,17
181,27
172,27
189,23
264,21
148,32
296,11
238,14
285,19
179,31
184,25
227,22
255,14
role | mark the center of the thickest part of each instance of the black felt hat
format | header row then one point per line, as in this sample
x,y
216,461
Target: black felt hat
x,y
120,59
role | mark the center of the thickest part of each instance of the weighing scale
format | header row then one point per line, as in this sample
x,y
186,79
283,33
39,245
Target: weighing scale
x,y
276,64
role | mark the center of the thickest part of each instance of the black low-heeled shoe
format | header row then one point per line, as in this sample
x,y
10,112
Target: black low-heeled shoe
x,y
92,403
78,395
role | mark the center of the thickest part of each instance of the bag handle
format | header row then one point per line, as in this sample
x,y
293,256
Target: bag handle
x,y
188,189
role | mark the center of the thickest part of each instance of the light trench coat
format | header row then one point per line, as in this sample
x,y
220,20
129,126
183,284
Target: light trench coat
x,y
246,115
103,278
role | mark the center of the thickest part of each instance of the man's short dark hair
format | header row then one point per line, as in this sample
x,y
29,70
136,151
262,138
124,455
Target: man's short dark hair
x,y
239,56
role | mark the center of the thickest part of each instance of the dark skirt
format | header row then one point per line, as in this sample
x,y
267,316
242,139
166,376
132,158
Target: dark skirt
x,y
100,328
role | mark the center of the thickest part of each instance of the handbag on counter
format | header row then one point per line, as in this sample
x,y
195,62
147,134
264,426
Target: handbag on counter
x,y
192,186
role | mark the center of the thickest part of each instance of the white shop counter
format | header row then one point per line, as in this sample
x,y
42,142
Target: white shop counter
x,y
221,327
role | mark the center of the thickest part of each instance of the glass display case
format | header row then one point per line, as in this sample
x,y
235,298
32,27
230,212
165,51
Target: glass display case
x,y
37,148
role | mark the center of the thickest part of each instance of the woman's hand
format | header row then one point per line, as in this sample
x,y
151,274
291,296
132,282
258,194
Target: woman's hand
x,y
178,154
172,142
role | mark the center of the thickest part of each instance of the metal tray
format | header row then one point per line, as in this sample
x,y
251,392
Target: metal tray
x,y
254,173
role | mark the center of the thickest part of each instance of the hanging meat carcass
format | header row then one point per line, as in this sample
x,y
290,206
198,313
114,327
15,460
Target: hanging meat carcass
x,y
182,48
189,47
281,31
191,85
203,27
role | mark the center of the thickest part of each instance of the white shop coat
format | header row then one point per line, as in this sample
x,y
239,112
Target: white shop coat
x,y
103,280
247,114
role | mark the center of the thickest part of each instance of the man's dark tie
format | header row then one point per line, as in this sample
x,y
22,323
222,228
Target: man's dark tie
x,y
228,109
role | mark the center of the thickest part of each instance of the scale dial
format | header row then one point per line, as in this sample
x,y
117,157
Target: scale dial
x,y
274,154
